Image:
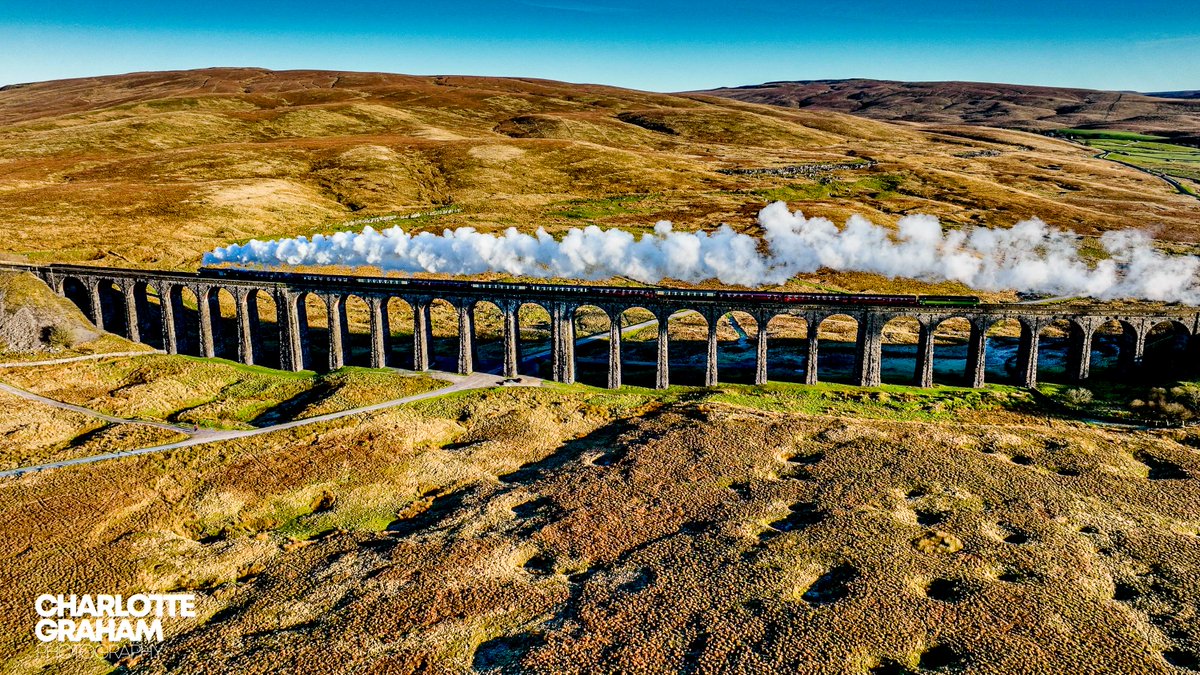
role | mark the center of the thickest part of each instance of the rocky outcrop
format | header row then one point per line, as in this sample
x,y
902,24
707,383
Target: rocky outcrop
x,y
801,170
34,319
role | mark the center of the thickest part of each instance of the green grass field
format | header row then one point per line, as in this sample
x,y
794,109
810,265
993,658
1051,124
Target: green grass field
x,y
1147,152
593,209
886,402
875,187
1108,135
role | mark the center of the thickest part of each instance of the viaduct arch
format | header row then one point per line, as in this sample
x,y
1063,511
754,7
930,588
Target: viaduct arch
x,y
186,314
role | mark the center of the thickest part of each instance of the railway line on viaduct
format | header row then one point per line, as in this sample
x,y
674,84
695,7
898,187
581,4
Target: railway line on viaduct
x,y
149,306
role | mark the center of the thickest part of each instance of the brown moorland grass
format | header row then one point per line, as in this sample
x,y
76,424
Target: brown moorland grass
x,y
154,169
565,529
35,433
36,324
742,529
1011,106
211,392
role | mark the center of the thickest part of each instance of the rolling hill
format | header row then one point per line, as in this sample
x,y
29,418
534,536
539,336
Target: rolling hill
x,y
154,169
994,105
564,528
1186,94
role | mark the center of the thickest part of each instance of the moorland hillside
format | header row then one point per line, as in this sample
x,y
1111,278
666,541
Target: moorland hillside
x,y
985,104
154,169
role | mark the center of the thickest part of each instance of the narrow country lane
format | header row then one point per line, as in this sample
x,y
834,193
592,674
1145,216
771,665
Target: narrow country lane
x,y
473,381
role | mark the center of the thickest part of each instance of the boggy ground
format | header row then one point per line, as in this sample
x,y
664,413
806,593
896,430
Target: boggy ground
x,y
568,530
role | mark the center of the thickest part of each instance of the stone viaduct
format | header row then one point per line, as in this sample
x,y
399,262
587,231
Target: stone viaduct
x,y
123,297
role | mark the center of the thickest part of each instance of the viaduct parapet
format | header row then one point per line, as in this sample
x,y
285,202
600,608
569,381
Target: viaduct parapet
x,y
119,300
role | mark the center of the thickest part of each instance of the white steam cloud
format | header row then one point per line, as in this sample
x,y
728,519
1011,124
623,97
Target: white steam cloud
x,y
1031,256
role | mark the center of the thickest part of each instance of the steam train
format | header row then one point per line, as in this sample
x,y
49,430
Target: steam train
x,y
639,293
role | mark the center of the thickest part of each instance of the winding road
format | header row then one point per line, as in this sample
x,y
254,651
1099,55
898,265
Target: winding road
x,y
72,359
459,383
1173,182
201,436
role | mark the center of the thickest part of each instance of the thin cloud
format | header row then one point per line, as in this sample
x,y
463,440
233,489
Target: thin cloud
x,y
581,7
1176,40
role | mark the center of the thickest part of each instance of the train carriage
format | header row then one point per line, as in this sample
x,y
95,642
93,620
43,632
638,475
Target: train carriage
x,y
647,293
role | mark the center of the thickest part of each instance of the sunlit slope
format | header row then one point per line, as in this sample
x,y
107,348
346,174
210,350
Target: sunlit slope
x,y
561,530
1011,106
154,169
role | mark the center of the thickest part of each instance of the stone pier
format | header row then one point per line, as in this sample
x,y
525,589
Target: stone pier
x,y
204,302
614,351
335,320
868,356
923,377
512,335
97,312
422,338
381,332
167,303
760,348
1027,355
977,354
1079,353
565,344
710,361
465,332
133,328
811,353
246,332
293,331
662,369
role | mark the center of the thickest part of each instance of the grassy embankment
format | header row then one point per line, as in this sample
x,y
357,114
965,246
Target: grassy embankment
x,y
212,392
33,433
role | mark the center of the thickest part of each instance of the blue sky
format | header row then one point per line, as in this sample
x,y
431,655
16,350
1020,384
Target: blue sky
x,y
664,46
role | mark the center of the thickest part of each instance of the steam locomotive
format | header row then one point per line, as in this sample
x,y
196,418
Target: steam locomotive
x,y
641,293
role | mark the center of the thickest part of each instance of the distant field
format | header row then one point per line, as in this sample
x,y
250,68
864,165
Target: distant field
x,y
880,187
1109,135
1147,152
595,209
